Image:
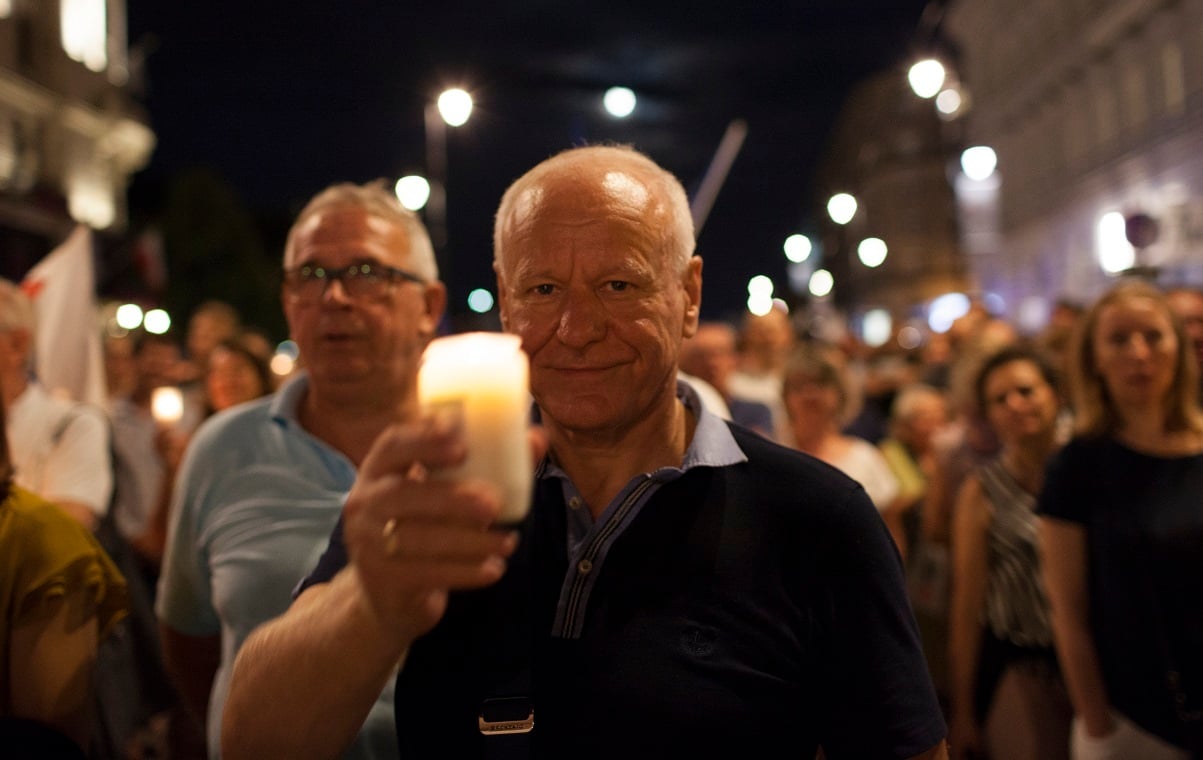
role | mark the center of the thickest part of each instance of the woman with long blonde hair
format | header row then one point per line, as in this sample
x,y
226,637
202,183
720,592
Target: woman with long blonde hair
x,y
1122,534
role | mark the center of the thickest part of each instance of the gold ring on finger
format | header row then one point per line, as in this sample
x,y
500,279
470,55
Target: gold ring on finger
x,y
392,542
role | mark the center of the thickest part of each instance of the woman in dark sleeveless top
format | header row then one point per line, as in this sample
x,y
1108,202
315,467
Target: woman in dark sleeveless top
x,y
1006,697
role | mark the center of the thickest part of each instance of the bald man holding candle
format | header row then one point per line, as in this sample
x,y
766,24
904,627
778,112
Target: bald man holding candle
x,y
680,587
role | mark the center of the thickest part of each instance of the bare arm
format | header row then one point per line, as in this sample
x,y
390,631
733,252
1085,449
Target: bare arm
x,y
938,501
1063,556
51,662
303,683
971,519
192,663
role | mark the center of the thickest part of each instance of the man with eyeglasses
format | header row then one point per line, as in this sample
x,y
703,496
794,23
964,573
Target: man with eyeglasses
x,y
262,484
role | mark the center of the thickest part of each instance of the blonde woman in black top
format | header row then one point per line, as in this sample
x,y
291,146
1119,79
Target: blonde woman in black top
x,y
1121,531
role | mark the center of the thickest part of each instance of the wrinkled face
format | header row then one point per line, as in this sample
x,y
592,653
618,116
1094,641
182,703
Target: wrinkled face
x,y
1189,308
231,379
1135,350
601,310
355,340
1019,403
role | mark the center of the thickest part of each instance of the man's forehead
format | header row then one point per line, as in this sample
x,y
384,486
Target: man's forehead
x,y
338,219
614,191
346,226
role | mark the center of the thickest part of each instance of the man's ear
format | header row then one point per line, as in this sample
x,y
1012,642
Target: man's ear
x,y
692,284
503,301
435,300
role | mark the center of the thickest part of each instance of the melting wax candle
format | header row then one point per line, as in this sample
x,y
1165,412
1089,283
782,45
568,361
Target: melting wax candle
x,y
485,379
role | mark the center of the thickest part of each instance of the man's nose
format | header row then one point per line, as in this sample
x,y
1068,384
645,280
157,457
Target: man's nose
x,y
582,320
335,291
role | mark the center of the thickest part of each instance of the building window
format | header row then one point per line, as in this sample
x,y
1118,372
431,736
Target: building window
x,y
84,27
1172,78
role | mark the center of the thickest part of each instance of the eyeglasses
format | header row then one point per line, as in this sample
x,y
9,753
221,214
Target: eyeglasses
x,y
308,282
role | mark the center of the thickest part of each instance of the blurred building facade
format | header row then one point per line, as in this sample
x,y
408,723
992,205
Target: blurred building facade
x,y
71,136
890,151
1095,110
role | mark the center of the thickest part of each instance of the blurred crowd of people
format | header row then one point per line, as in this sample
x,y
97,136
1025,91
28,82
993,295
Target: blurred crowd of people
x,y
111,470
1043,493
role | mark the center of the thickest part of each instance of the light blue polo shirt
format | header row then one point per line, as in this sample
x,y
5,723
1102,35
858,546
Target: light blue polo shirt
x,y
253,506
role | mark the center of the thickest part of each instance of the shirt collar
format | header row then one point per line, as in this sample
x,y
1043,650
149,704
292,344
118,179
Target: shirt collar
x,y
712,444
286,401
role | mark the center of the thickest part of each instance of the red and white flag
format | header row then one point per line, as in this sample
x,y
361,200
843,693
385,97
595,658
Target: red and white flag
x,y
62,287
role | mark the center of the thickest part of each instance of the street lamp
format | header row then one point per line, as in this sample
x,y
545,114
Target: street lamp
x,y
872,252
926,77
413,191
619,102
797,248
452,107
841,207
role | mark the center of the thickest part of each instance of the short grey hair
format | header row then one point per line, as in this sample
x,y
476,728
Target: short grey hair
x,y
674,229
376,199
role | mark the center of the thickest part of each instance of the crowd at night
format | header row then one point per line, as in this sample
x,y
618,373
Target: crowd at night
x,y
497,442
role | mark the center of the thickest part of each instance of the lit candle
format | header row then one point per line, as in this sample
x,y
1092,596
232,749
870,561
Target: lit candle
x,y
167,405
485,379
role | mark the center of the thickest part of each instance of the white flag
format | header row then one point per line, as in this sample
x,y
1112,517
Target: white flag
x,y
62,287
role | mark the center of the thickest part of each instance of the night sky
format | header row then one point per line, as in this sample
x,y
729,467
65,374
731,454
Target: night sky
x,y
283,98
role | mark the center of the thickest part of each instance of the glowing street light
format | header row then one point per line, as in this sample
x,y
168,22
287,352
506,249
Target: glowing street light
x,y
413,191
480,301
821,283
797,248
872,252
926,77
1114,251
129,316
876,327
156,321
619,102
841,207
949,101
760,285
455,106
451,108
979,162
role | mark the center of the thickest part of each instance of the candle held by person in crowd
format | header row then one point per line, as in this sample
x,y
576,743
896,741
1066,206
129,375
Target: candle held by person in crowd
x,y
167,405
484,379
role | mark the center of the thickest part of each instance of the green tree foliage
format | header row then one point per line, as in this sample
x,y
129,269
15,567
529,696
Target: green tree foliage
x,y
215,248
